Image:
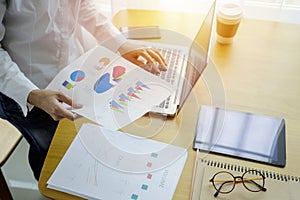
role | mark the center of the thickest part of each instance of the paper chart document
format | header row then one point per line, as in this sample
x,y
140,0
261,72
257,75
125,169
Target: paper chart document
x,y
113,91
105,164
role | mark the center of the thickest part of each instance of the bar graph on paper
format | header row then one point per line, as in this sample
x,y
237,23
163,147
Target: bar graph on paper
x,y
113,91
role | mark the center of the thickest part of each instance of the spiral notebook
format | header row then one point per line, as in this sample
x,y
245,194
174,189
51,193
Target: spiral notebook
x,y
279,186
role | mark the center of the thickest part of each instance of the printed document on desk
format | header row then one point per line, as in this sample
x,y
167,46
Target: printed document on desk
x,y
114,92
105,164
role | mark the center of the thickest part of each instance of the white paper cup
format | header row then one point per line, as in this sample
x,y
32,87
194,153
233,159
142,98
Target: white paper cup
x,y
229,16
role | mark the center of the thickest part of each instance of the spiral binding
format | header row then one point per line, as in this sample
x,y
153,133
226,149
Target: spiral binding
x,y
267,174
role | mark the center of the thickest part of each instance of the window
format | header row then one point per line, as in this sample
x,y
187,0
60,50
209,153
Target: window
x,y
275,10
278,10
280,3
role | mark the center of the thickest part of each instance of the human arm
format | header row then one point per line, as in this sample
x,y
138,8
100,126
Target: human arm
x,y
15,85
108,35
51,102
154,61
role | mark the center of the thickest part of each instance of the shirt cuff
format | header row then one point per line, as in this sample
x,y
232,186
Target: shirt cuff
x,y
29,107
22,101
115,40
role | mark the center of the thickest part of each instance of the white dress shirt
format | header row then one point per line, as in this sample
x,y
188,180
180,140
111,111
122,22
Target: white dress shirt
x,y
40,37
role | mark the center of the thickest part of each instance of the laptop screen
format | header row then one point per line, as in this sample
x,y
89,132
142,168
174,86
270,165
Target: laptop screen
x,y
198,55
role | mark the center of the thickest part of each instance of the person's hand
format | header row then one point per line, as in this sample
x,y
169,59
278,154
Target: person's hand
x,y
51,102
155,63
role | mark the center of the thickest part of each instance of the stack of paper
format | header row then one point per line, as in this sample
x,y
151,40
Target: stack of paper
x,y
105,164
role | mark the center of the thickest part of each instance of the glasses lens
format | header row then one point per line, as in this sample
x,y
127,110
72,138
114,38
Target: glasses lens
x,y
253,180
223,182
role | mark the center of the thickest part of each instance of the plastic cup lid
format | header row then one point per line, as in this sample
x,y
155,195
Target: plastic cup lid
x,y
231,11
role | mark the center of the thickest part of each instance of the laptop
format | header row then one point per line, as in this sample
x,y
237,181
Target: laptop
x,y
185,63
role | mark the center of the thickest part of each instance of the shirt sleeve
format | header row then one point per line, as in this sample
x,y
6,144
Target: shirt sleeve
x,y
99,26
13,82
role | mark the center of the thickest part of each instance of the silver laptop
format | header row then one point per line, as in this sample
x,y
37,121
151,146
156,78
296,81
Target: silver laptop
x,y
185,63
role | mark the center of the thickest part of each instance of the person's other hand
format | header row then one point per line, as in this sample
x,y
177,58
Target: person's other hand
x,y
155,63
51,102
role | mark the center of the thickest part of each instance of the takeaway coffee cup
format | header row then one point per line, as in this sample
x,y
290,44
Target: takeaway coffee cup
x,y
229,16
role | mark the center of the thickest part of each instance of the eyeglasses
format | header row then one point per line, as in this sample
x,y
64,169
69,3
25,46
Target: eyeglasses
x,y
224,182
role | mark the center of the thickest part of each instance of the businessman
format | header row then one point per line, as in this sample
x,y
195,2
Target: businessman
x,y
38,39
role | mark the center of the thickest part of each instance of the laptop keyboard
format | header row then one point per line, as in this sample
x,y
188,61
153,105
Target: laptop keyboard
x,y
172,57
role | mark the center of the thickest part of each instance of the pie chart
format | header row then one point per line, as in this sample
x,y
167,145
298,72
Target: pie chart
x,y
118,73
102,85
77,76
104,60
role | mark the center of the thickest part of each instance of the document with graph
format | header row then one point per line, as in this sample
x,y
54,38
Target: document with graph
x,y
113,91
105,164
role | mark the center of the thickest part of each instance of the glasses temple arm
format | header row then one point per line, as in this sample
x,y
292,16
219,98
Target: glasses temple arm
x,y
258,185
223,183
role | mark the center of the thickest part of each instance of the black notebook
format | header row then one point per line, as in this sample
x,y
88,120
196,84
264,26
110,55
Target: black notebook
x,y
245,135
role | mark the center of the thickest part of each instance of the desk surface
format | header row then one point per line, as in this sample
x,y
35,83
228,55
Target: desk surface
x,y
259,73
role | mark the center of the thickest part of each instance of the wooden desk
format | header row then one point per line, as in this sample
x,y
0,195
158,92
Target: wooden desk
x,y
259,73
9,139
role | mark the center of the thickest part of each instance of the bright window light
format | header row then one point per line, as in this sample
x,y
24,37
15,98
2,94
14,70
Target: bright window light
x,y
275,10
